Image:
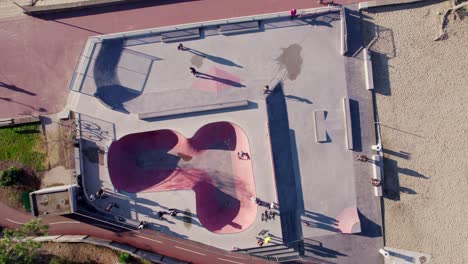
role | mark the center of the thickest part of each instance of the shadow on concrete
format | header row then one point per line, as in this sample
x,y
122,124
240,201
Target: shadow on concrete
x,y
114,7
356,125
368,227
320,221
353,31
278,125
16,89
320,20
215,59
106,69
219,79
296,168
298,99
316,248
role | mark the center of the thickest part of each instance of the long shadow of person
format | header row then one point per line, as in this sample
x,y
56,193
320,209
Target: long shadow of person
x,y
213,58
218,79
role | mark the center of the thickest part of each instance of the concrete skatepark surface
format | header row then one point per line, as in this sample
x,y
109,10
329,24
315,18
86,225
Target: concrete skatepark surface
x,y
207,163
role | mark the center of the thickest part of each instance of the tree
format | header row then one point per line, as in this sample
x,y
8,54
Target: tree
x,y
16,246
10,176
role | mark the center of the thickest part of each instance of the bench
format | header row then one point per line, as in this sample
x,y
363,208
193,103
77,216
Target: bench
x,y
347,123
180,35
320,131
368,70
239,27
193,109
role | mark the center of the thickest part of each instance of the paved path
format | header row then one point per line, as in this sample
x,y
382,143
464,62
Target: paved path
x,y
147,239
40,54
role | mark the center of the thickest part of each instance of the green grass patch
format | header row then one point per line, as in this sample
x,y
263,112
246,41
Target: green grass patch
x,y
23,144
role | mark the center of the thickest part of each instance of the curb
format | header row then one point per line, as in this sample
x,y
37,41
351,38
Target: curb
x,y
135,252
379,3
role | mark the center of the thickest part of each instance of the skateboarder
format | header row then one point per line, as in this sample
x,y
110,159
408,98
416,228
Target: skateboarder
x,y
193,71
173,212
362,158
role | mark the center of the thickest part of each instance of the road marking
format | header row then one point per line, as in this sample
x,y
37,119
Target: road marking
x,y
14,221
65,222
232,261
190,251
149,239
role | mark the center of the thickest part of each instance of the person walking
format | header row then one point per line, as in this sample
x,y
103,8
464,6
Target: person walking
x,y
180,47
266,89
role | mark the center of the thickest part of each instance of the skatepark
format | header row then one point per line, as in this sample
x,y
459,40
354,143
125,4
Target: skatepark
x,y
154,136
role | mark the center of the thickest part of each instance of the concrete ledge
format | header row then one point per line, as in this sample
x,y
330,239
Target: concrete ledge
x,y
344,35
347,123
97,241
239,27
377,173
169,260
19,121
45,238
320,131
70,239
149,255
365,5
368,70
193,109
6,122
180,35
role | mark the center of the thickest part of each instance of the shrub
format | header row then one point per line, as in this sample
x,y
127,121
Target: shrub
x,y
10,176
124,257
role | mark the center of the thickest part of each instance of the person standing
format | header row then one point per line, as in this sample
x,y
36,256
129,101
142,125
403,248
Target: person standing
x,y
293,13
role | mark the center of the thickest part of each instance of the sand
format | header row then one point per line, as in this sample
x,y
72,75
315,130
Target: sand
x,y
422,102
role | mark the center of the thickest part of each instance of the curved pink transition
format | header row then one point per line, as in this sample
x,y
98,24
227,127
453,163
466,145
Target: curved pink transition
x,y
207,163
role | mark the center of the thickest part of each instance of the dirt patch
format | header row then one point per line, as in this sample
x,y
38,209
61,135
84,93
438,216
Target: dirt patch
x,y
291,60
59,141
80,253
421,96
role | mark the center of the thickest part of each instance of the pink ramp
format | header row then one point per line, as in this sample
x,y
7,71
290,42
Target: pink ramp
x,y
207,163
215,80
348,221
